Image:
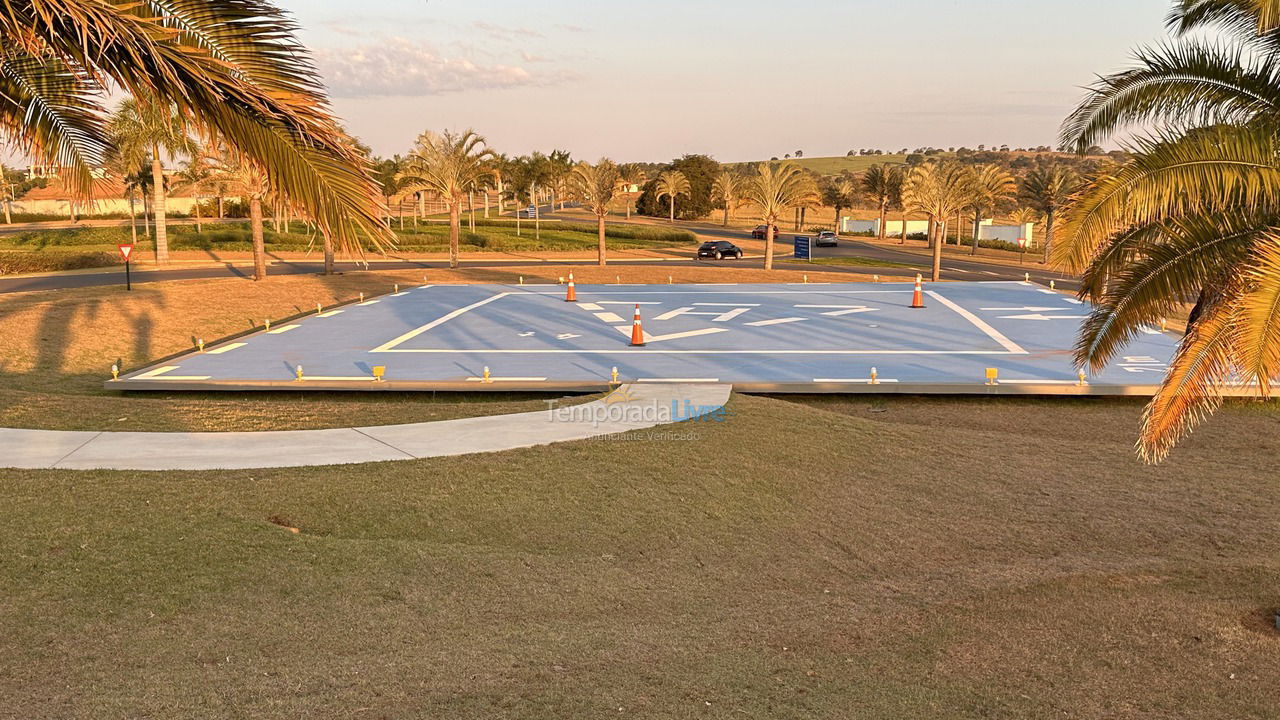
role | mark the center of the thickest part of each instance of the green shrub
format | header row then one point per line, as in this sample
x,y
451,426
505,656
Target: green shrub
x,y
35,262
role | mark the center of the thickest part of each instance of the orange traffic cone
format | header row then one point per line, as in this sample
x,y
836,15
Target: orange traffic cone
x,y
571,295
637,332
917,298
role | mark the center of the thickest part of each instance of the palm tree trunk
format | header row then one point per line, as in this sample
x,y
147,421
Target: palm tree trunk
x,y
471,211
146,215
804,211
328,254
673,209
768,243
1048,233
486,204
158,203
455,229
199,229
133,223
600,235
884,212
221,211
259,244
937,249
8,205
902,237
977,226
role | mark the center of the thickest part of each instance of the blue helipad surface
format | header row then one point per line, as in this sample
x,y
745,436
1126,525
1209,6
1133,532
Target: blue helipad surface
x,y
793,337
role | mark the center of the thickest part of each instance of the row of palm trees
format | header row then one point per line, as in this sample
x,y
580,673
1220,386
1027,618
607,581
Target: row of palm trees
x,y
231,72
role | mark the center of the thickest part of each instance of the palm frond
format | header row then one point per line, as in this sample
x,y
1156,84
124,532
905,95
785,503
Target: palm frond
x,y
1259,321
1202,172
1190,84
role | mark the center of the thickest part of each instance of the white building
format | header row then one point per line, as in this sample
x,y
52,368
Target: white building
x,y
893,228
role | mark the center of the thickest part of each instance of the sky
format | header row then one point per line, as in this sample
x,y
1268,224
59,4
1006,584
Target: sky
x,y
739,80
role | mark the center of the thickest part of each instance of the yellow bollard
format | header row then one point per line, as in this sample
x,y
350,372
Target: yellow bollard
x,y
617,279
486,374
561,280
993,376
297,371
1052,285
424,280
361,297
319,309
1026,277
1081,382
200,344
1164,324
875,377
806,279
521,279
875,278
613,378
268,323
395,288
378,372
668,279
115,371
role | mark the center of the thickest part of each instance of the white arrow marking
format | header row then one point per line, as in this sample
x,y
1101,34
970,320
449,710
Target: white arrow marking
x,y
1038,316
566,336
526,334
841,309
626,330
775,321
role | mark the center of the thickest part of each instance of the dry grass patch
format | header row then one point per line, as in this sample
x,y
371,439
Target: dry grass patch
x,y
1008,561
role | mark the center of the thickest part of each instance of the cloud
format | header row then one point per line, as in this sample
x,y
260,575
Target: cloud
x,y
398,67
503,32
573,28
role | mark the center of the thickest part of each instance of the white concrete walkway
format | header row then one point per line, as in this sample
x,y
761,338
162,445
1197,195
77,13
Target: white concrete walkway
x,y
631,407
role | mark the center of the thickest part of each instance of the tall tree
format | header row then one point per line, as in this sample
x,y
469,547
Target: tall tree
x,y
988,186
6,194
632,174
142,128
1047,189
839,193
937,189
670,184
235,67
775,189
1193,215
251,181
882,182
448,164
727,189
595,186
195,176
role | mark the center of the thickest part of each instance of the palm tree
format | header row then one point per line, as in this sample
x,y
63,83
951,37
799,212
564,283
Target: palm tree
x,y
233,67
839,193
1047,189
938,190
669,184
632,174
883,183
6,188
250,180
195,174
988,186
726,189
775,189
1192,216
146,129
596,186
448,164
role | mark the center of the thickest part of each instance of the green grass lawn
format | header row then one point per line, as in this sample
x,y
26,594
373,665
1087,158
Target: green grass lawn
x,y
51,250
854,261
807,558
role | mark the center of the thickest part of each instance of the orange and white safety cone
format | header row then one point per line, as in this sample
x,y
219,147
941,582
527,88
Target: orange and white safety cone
x,y
637,332
917,298
571,295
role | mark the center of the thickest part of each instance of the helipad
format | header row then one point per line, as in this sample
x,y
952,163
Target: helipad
x,y
779,338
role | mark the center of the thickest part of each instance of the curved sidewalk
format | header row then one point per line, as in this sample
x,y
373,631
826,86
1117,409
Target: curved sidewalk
x,y
630,407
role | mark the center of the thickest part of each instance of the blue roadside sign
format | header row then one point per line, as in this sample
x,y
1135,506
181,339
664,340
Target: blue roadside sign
x,y
802,247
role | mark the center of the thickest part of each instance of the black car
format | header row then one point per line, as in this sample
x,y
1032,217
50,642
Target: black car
x,y
719,249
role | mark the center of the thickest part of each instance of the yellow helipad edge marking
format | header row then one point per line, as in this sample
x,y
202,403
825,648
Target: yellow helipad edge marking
x,y
225,348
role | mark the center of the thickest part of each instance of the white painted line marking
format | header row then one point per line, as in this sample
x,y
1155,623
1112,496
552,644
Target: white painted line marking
x,y
609,317
589,306
678,380
852,381
1148,330
979,323
284,329
362,378
689,310
331,313
734,305
436,323
775,321
525,334
1042,316
1048,292
992,274
158,371
1006,381
950,269
1028,308
1074,301
507,379
626,330
627,302
402,292
726,317
567,336
180,377
225,348
368,302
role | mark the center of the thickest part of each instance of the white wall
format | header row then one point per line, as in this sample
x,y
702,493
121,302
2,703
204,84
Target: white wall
x,y
893,228
104,206
1007,233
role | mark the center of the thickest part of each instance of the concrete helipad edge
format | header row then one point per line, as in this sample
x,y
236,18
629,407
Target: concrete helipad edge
x,y
630,407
